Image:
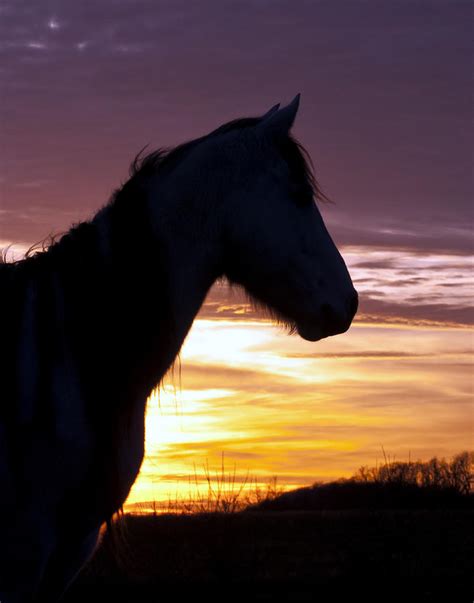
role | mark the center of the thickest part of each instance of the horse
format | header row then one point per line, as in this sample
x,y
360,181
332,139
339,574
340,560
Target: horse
x,y
93,322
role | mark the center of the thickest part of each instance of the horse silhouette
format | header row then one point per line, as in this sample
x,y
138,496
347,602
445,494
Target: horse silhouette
x,y
91,324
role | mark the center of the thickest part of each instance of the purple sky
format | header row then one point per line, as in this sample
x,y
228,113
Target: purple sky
x,y
385,110
385,113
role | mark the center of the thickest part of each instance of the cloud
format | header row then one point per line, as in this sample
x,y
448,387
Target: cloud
x,y
372,354
415,313
395,286
436,236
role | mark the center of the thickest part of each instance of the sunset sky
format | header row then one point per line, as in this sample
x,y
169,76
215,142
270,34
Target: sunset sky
x,y
386,106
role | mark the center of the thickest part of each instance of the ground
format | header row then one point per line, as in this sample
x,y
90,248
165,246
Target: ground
x,y
286,556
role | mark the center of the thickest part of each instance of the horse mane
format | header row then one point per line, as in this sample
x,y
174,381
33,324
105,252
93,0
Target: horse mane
x,y
145,165
293,152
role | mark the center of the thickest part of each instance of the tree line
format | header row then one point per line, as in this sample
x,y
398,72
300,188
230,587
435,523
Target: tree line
x,y
456,473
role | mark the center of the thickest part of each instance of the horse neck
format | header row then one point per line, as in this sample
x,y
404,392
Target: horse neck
x,y
161,270
131,290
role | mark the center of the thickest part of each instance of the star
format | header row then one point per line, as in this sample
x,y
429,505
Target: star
x,y
53,23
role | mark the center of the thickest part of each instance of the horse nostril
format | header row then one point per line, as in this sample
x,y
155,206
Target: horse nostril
x,y
327,312
338,320
331,321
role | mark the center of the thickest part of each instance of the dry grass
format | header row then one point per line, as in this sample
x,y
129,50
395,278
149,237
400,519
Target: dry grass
x,y
224,492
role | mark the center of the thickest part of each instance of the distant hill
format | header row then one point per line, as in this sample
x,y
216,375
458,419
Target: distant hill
x,y
347,494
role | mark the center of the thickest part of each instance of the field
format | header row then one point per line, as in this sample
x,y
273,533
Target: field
x,y
383,555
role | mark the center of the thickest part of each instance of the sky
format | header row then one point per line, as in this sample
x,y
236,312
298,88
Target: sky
x,y
386,105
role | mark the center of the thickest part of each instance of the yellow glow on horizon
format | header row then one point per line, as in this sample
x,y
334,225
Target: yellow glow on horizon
x,y
276,405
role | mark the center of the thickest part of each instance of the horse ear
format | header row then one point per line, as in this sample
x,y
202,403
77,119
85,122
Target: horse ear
x,y
278,122
270,111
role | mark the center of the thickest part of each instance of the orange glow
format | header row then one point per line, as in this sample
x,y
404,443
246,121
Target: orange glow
x,y
280,406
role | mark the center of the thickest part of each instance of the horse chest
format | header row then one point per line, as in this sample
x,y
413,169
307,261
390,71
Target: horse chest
x,y
119,455
130,446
